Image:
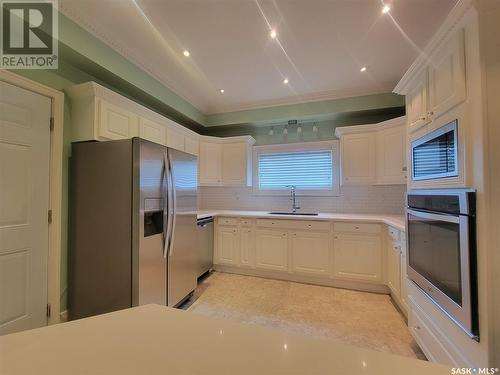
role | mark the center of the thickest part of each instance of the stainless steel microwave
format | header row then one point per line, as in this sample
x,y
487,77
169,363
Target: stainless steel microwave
x,y
435,155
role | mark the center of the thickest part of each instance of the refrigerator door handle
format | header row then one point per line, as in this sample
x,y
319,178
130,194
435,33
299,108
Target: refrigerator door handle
x,y
167,208
173,207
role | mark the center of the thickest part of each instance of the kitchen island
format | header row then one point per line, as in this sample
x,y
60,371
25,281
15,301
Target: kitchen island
x,y
154,339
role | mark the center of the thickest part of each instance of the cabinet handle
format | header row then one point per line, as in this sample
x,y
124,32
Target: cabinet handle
x,y
417,328
431,113
423,118
356,227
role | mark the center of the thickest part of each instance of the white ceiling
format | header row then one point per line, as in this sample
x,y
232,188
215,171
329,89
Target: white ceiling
x,y
322,45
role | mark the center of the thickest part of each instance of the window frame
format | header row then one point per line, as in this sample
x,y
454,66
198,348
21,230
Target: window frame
x,y
332,145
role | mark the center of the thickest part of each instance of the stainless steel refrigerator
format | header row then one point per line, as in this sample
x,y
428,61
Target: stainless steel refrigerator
x,y
133,230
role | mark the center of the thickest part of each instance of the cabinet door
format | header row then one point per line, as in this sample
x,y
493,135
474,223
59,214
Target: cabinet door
x,y
394,268
191,145
391,156
357,257
247,247
404,277
227,245
209,162
310,253
271,252
417,104
447,76
234,164
175,139
358,159
116,122
152,131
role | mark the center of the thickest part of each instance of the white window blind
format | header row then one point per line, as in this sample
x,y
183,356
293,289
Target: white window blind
x,y
308,170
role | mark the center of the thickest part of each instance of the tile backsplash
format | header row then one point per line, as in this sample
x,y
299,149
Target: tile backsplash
x,y
384,199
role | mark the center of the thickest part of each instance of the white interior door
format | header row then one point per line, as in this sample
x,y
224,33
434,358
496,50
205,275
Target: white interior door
x,y
24,196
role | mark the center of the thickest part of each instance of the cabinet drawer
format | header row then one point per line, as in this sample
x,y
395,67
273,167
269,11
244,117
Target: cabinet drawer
x,y
246,222
227,221
429,341
357,227
394,234
294,224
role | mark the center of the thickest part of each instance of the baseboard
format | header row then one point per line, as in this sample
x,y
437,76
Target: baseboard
x,y
63,316
344,284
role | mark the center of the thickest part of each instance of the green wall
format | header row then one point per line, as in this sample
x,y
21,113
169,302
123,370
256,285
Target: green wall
x,y
83,58
325,128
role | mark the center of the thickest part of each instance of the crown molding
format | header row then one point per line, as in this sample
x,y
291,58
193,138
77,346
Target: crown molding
x,y
456,15
354,129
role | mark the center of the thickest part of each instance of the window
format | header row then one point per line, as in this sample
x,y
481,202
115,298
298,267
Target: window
x,y
311,167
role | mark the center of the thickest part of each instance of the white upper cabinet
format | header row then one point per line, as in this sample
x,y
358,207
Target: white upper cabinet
x,y
373,154
100,114
358,159
391,155
175,139
191,145
152,131
225,161
417,103
447,76
209,162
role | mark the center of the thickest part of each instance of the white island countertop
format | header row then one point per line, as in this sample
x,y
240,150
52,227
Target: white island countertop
x,y
155,339
397,221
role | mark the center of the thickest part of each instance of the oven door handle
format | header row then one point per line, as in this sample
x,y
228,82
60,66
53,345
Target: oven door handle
x,y
431,216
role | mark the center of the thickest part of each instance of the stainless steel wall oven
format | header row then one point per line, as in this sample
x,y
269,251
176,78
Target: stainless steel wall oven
x,y
442,251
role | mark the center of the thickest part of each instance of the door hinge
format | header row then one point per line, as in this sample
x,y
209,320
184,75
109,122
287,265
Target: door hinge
x,y
48,310
51,123
49,216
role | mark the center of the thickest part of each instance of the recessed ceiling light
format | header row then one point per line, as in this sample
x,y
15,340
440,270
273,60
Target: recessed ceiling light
x,y
386,9
186,53
363,69
273,34
285,81
222,91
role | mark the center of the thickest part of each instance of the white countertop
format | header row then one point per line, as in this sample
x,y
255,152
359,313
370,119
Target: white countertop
x,y
154,339
397,221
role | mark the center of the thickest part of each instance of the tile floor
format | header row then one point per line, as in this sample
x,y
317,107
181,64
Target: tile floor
x,y
367,320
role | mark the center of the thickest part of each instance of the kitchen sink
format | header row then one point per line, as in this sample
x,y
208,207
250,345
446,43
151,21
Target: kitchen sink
x,y
293,213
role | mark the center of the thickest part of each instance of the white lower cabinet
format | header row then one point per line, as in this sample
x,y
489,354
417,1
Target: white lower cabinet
x,y
394,267
310,253
404,276
357,256
271,252
227,245
247,247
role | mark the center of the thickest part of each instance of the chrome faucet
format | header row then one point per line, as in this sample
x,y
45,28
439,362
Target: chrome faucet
x,y
293,198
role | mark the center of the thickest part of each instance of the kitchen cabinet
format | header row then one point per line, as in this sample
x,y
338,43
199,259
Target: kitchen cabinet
x,y
391,155
247,247
225,161
404,275
358,158
227,245
152,131
310,253
417,102
373,153
99,114
175,139
357,256
447,76
116,122
394,268
210,163
191,145
271,252
235,159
